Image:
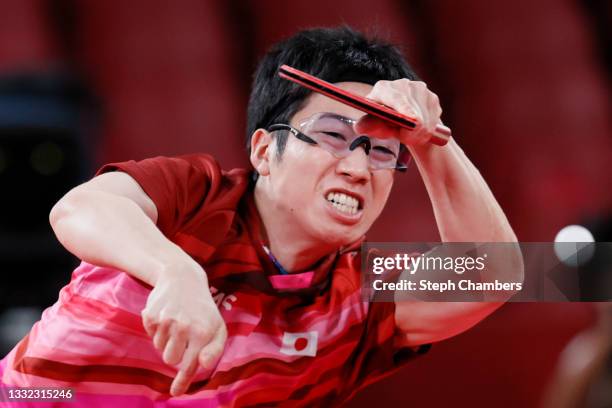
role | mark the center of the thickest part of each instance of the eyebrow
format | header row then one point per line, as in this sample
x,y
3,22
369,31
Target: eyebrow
x,y
337,116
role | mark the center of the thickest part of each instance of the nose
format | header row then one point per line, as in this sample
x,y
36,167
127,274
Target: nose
x,y
356,166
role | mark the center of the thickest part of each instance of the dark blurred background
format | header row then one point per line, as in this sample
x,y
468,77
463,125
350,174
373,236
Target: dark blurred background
x,y
525,86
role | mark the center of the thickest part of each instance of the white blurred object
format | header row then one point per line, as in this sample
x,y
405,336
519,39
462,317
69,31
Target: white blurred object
x,y
15,323
572,241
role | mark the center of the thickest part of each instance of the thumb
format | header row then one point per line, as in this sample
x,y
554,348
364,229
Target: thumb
x,y
210,355
376,127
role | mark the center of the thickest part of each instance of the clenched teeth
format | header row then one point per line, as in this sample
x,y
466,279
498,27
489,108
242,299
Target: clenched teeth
x,y
343,202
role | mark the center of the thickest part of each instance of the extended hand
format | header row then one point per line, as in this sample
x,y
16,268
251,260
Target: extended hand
x,y
185,324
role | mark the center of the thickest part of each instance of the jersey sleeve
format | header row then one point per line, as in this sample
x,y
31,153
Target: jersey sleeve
x,y
178,186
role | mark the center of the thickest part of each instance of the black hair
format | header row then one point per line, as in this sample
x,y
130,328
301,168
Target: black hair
x,y
332,54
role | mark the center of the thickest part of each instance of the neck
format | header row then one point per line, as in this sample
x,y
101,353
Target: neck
x,y
293,249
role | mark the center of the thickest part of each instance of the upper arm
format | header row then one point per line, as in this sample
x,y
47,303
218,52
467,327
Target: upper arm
x,y
169,190
120,184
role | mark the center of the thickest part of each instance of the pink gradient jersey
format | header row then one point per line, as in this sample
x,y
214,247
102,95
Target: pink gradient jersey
x,y
304,339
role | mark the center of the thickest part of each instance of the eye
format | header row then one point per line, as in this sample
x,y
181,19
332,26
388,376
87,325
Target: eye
x,y
335,135
382,151
334,140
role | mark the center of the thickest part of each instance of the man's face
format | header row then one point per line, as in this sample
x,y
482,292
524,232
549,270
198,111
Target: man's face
x,y
319,190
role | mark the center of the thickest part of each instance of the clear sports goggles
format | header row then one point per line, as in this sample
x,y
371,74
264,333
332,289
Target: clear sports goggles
x,y
337,135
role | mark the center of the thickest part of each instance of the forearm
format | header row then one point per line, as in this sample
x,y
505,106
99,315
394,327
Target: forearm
x,y
118,230
109,230
430,322
466,210
464,206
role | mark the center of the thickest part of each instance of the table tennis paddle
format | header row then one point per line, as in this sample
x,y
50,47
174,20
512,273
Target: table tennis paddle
x,y
440,136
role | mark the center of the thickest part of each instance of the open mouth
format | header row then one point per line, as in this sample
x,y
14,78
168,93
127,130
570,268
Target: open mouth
x,y
344,202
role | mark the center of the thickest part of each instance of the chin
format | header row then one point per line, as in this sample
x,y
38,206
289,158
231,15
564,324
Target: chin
x,y
339,237
333,233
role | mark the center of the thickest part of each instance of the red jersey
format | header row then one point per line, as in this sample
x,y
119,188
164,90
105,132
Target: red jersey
x,y
303,339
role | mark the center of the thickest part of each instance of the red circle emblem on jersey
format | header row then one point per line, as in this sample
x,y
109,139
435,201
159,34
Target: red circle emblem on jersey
x,y
300,343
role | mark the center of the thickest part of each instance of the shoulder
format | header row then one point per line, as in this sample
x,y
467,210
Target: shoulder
x,y
194,162
185,189
191,172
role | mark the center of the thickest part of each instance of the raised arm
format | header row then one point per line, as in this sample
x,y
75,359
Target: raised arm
x,y
110,221
465,211
464,207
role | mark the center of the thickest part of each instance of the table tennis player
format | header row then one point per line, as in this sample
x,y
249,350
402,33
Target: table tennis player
x,y
205,287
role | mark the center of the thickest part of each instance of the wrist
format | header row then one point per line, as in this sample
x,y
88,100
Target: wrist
x,y
425,150
434,159
176,264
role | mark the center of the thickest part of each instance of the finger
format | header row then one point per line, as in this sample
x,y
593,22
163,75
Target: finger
x,y
210,354
149,324
432,111
401,102
175,348
177,343
161,336
384,94
187,370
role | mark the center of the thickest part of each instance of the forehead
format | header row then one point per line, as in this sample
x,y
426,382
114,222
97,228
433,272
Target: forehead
x,y
316,103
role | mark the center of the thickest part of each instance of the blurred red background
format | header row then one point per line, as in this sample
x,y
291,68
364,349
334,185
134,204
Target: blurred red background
x,y
525,86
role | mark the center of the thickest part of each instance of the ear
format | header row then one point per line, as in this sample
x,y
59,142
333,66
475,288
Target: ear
x,y
261,146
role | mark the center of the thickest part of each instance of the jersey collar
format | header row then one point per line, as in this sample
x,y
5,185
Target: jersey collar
x,y
316,277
